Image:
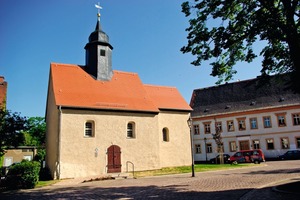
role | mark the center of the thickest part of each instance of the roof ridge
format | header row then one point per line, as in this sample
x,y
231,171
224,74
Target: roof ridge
x,y
123,72
240,81
161,86
65,64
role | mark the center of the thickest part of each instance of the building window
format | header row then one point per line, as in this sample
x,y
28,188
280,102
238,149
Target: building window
x,y
7,161
198,148
256,144
130,130
208,148
219,127
296,119
253,123
284,143
196,130
230,126
232,146
298,142
89,129
270,144
267,122
207,127
102,52
242,124
29,158
165,132
281,119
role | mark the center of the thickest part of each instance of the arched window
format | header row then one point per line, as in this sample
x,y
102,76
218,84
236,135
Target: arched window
x,y
165,133
131,130
89,129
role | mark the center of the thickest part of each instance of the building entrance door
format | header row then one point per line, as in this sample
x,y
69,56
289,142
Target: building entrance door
x,y
114,159
244,145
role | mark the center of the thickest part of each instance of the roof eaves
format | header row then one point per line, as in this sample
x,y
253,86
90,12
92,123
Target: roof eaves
x,y
176,109
212,114
106,109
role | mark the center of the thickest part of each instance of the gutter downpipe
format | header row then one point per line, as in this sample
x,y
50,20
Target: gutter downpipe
x,y
59,142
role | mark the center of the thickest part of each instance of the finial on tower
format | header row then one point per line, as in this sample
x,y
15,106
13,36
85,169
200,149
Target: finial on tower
x,y
98,7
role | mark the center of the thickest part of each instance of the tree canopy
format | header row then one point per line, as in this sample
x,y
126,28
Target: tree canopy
x,y
240,23
16,130
36,133
11,127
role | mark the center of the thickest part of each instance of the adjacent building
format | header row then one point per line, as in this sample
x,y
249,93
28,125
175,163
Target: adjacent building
x,y
261,113
17,154
3,90
102,121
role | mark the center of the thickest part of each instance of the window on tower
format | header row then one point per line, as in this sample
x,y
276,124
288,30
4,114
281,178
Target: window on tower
x,y
102,52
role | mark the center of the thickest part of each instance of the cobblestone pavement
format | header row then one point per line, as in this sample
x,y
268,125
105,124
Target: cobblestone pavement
x,y
243,183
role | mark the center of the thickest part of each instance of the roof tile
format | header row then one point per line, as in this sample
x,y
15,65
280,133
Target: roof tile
x,y
73,87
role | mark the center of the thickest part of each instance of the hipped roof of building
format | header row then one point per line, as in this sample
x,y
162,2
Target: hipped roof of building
x,y
259,93
75,88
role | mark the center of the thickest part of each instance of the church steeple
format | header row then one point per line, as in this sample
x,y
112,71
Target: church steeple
x,y
99,53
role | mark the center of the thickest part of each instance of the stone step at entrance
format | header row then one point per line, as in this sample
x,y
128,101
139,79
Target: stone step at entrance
x,y
121,175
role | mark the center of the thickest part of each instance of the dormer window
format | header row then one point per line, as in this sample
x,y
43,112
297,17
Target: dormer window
x,y
281,99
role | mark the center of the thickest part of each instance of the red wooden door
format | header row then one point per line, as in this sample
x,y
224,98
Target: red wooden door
x,y
114,159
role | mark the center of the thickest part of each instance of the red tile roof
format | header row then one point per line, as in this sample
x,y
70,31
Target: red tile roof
x,y
73,87
166,97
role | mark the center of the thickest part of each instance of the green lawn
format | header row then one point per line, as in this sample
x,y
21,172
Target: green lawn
x,y
46,183
188,169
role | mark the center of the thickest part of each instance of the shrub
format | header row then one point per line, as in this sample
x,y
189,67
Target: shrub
x,y
23,175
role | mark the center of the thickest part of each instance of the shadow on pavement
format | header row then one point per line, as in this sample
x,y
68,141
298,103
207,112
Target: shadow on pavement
x,y
147,192
292,187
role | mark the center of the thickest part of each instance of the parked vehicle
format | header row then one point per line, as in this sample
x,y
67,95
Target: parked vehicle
x,y
248,156
290,155
217,159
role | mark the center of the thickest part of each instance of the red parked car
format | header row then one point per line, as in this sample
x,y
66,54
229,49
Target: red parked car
x,y
248,156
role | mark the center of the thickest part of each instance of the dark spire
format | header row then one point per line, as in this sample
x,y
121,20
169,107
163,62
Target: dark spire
x,y
98,53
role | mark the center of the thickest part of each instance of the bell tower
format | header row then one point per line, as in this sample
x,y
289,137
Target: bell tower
x,y
99,53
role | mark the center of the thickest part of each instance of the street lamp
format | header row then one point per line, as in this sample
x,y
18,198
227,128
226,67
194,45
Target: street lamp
x,y
189,122
205,149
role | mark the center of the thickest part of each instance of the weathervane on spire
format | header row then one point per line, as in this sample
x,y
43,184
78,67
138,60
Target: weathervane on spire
x,y
98,7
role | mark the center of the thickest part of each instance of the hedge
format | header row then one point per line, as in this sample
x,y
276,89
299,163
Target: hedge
x,y
24,175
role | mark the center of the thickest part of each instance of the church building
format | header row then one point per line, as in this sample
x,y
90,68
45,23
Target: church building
x,y
102,121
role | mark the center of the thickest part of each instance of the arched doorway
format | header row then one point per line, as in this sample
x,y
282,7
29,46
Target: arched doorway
x,y
114,159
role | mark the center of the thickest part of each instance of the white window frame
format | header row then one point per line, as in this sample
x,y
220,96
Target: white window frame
x,y
130,130
253,123
198,148
89,129
196,129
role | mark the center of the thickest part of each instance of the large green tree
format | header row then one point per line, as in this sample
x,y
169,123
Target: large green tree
x,y
36,133
11,127
224,31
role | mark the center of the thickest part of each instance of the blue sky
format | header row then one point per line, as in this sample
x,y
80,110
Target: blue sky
x,y
146,35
